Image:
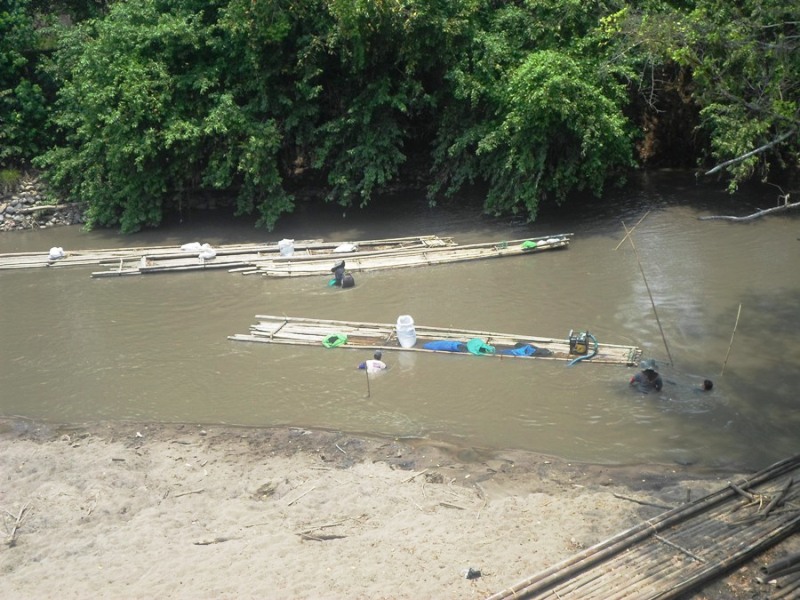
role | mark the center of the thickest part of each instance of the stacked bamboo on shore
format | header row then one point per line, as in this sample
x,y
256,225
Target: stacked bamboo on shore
x,y
680,550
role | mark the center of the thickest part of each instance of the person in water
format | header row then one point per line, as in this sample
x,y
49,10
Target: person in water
x,y
707,385
341,278
648,378
375,365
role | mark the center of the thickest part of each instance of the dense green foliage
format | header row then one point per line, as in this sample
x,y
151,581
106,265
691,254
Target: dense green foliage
x,y
530,110
23,111
745,57
140,108
737,63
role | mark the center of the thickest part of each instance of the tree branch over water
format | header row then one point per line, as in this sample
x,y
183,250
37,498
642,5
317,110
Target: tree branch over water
x,y
747,155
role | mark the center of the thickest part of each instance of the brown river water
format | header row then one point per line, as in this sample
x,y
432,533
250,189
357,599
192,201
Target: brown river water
x,y
155,347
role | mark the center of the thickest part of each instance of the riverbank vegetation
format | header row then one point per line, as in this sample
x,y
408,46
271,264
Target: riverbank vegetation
x,y
140,108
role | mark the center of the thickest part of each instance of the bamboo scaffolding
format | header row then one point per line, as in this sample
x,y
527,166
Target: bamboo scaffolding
x,y
712,507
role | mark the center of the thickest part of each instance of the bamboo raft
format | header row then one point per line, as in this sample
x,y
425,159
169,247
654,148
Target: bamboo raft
x,y
176,259
129,257
417,257
155,259
328,256
682,549
377,336
234,259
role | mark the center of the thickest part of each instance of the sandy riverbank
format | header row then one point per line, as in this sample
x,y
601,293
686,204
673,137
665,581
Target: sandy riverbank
x,y
154,511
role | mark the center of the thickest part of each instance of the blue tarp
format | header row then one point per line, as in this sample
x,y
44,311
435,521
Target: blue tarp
x,y
446,346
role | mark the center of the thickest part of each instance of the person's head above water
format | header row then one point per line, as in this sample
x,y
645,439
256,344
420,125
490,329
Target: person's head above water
x,y
338,265
648,365
707,385
378,354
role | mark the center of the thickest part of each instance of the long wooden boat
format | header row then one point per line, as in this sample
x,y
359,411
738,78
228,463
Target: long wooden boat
x,y
380,336
417,257
247,259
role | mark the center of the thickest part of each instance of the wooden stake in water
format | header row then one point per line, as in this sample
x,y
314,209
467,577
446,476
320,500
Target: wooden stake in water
x,y
649,293
735,325
366,370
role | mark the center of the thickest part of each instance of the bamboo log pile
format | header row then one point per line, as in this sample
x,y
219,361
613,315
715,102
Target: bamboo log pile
x,y
680,550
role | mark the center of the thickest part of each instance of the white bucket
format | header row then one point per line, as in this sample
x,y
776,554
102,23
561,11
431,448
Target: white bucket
x,y
406,334
286,247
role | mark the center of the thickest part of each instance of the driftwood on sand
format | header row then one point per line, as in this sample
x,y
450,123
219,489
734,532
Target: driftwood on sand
x,y
12,537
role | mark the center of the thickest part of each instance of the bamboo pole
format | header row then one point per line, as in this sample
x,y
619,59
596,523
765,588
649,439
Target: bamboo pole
x,y
649,293
649,573
736,557
621,581
622,241
779,565
616,544
735,325
787,590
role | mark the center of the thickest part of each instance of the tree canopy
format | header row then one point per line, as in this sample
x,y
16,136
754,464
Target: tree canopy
x,y
139,108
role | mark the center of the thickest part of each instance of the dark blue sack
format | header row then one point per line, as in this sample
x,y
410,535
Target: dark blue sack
x,y
446,346
526,350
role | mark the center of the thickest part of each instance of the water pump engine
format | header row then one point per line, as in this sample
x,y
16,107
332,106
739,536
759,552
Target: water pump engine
x,y
578,342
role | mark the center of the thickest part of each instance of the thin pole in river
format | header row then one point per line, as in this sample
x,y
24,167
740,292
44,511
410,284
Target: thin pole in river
x,y
649,293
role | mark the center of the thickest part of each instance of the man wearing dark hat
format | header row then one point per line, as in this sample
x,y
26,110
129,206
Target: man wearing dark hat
x,y
648,378
375,365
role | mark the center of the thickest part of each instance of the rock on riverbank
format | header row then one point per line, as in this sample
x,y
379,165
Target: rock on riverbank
x,y
25,208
